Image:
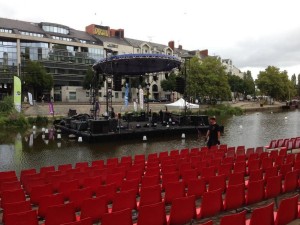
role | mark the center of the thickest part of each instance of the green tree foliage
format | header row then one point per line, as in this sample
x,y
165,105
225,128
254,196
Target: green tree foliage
x,y
88,79
236,84
207,79
249,85
293,79
37,77
275,83
170,83
7,104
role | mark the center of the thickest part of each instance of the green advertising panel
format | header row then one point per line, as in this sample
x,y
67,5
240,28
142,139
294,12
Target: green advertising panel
x,y
17,93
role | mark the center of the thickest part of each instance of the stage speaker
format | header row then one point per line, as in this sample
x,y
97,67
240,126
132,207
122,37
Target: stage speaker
x,y
117,83
99,126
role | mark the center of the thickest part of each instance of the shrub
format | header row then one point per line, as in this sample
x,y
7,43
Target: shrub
x,y
7,104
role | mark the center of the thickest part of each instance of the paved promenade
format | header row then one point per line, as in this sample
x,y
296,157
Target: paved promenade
x,y
61,109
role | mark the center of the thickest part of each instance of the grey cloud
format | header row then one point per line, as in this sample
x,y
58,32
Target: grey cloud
x,y
282,50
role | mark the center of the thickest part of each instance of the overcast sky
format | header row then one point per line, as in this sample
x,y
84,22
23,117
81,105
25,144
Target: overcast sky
x,y
253,33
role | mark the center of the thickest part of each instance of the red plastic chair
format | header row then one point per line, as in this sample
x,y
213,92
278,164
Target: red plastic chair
x,y
208,172
234,219
266,163
290,181
249,151
38,191
23,218
152,214
124,200
235,197
287,211
150,195
271,172
262,216
239,167
236,178
183,210
60,214
139,158
174,190
211,204
135,174
16,207
78,196
225,169
94,208
169,178
255,192
98,163
148,181
64,167
93,182
45,169
7,174
48,201
188,175
82,165
285,168
273,187
112,161
196,187
116,178
26,172
253,165
130,185
87,221
217,182
9,186
108,190
121,218
12,196
66,187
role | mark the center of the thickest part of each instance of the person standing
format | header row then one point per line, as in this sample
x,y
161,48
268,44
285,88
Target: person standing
x,y
213,134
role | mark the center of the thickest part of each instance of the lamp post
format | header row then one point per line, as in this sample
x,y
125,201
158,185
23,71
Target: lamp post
x,y
148,88
186,57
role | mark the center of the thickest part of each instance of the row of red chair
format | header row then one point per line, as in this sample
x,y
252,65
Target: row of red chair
x,y
183,210
289,143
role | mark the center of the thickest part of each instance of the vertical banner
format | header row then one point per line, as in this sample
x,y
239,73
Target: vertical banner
x,y
141,95
126,94
51,108
30,98
17,93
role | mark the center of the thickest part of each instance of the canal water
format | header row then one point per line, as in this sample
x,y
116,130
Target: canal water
x,y
23,149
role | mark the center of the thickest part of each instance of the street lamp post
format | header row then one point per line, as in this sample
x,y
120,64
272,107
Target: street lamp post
x,y
186,58
148,88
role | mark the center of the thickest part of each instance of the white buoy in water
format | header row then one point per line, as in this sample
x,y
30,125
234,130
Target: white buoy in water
x,y
285,118
58,144
43,129
241,126
183,135
46,142
46,131
168,126
144,138
34,127
43,136
79,139
58,136
271,112
34,132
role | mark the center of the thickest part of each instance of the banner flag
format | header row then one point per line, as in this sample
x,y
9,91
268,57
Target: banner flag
x,y
17,93
126,94
30,98
141,95
51,108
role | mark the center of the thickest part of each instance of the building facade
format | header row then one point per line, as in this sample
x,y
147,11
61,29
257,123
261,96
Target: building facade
x,y
67,54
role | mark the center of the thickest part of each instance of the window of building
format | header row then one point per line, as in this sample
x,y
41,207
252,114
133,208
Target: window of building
x,y
83,41
72,95
123,94
100,94
62,38
31,34
3,30
87,94
116,94
55,29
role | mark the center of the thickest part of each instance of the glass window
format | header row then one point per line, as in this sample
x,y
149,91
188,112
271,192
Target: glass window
x,y
116,94
100,94
72,95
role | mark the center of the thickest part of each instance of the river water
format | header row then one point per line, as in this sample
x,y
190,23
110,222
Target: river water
x,y
22,150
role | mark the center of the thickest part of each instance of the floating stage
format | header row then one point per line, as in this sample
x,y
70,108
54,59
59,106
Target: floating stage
x,y
115,130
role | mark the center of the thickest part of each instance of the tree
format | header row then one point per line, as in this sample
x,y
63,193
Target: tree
x,y
207,79
249,85
275,83
170,83
88,79
293,79
37,78
236,84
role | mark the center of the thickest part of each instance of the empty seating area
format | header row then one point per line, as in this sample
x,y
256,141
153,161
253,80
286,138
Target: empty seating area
x,y
288,143
171,187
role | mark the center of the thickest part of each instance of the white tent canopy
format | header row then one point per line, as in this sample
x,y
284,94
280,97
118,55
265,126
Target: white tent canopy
x,y
181,103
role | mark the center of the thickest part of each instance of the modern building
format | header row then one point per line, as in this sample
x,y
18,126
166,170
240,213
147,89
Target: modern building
x,y
67,54
231,69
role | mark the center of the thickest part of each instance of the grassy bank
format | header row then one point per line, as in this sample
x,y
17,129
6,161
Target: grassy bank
x,y
223,110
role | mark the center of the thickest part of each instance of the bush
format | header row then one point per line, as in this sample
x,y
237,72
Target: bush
x,y
39,120
223,110
13,119
7,104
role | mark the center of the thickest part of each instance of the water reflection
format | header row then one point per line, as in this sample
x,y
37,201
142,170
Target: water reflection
x,y
34,149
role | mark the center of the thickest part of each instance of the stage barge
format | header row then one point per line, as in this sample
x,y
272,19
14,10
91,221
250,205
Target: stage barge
x,y
115,130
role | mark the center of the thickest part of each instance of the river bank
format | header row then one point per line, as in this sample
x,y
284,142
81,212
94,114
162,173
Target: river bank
x,y
62,109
